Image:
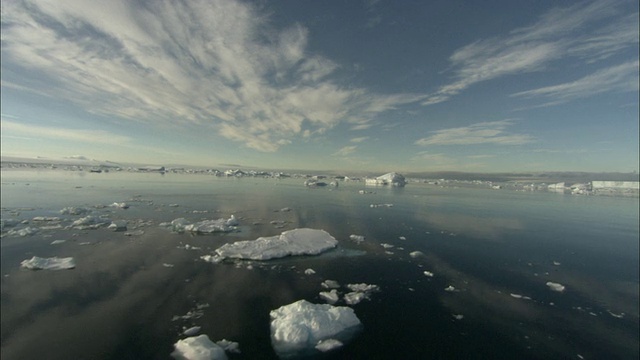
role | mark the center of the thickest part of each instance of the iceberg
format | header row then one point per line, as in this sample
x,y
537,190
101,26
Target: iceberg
x,y
290,243
198,348
391,179
298,329
52,263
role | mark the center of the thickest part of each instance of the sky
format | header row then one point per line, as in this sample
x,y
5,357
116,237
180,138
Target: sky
x,y
375,85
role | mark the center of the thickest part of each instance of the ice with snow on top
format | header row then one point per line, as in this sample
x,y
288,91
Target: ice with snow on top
x,y
330,284
198,348
28,231
416,254
392,179
213,226
52,263
330,297
72,210
290,243
309,271
555,286
328,345
191,331
359,292
356,238
118,225
298,328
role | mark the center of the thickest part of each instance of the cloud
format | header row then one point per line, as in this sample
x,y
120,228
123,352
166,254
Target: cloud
x,y
575,31
345,150
86,136
434,159
220,65
620,78
481,133
359,139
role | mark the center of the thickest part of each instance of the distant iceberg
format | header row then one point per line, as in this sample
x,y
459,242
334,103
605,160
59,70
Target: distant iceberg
x,y
293,242
303,328
52,263
391,179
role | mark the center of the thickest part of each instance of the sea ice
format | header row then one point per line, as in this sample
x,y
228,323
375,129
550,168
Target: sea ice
x,y
328,345
354,298
392,178
89,220
8,223
555,286
229,346
118,225
331,297
28,231
75,210
428,273
386,246
293,242
213,226
356,238
191,331
121,205
297,328
52,263
330,284
416,254
359,292
450,288
56,242
309,271
198,348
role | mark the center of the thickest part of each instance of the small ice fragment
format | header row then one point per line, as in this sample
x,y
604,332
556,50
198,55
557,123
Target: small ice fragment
x,y
216,259
297,328
8,223
354,297
328,345
364,288
45,218
309,272
330,297
330,284
75,211
580,356
416,254
52,263
517,296
118,225
356,238
198,348
212,226
191,331
173,205
450,288
286,209
555,286
458,316
229,346
121,205
386,246
28,231
556,263
619,316
167,265
134,233
428,273
402,238
56,242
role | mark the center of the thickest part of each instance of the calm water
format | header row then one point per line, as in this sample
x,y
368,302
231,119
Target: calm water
x,y
119,302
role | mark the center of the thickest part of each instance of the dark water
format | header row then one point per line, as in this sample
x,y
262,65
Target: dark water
x,y
120,300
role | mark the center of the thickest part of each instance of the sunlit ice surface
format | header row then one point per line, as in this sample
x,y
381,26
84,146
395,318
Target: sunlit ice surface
x,y
458,273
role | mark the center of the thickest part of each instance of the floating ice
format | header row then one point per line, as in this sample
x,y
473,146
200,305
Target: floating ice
x,y
167,265
354,298
89,220
380,205
213,226
46,218
8,223
216,259
198,348
328,345
191,331
386,246
356,238
555,286
297,328
402,238
57,242
458,316
229,346
392,178
52,263
309,272
428,273
517,296
28,231
331,297
118,225
75,210
450,288
416,254
121,205
359,292
330,284
556,263
293,242
134,233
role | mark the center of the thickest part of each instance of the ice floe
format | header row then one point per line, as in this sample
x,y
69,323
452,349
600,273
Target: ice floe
x,y
58,242
330,284
121,205
380,205
198,348
450,288
309,272
118,225
330,297
293,242
28,231
555,286
52,263
191,331
75,210
359,292
203,227
428,273
356,238
298,328
416,254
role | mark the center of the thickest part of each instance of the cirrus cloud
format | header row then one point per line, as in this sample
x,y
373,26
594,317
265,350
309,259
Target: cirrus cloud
x,y
492,132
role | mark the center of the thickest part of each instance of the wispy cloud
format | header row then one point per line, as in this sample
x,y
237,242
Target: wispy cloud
x,y
345,150
620,78
78,135
359,139
217,64
575,31
493,132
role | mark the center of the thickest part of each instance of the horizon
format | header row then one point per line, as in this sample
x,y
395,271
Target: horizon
x,y
370,86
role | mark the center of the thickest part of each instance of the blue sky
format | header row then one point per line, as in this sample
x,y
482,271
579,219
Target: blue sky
x,y
490,86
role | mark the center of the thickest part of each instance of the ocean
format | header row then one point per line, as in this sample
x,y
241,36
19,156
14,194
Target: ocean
x,y
492,254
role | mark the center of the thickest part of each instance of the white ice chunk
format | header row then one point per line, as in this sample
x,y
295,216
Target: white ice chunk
x,y
309,271
121,205
57,242
216,259
416,254
229,346
428,273
328,345
364,288
458,316
450,288
75,210
356,238
555,286
8,223
297,328
198,348
213,226
118,225
89,220
331,297
191,331
392,178
28,231
52,263
387,246
354,298
330,284
293,242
